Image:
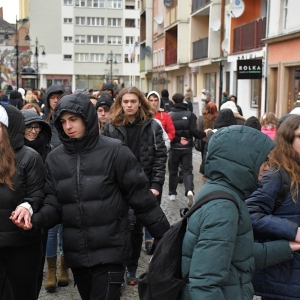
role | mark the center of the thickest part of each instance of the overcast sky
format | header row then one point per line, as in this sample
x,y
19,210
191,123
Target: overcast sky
x,y
10,10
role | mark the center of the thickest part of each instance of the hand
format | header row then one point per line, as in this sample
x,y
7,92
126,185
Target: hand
x,y
183,141
21,217
297,238
203,177
155,192
294,246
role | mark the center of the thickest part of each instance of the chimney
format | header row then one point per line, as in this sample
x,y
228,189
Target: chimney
x,y
1,12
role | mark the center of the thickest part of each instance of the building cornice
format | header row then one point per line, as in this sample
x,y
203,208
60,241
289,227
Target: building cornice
x,y
283,37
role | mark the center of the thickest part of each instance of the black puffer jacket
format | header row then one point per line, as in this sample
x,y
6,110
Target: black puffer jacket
x,y
90,183
152,160
28,184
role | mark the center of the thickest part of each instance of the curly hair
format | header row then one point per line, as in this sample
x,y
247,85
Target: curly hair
x,y
7,159
284,155
269,119
118,118
210,114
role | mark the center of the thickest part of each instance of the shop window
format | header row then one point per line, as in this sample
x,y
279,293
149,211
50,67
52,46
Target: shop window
x,y
210,85
255,93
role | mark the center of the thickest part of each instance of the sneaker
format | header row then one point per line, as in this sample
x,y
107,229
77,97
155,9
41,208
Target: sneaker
x,y
148,246
132,278
190,196
172,197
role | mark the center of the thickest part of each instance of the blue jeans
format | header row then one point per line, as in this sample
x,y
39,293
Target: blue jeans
x,y
55,235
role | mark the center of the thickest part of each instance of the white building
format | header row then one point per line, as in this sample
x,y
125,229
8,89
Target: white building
x,y
87,42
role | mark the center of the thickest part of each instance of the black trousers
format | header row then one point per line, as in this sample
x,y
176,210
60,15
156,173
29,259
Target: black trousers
x,y
101,282
20,267
184,158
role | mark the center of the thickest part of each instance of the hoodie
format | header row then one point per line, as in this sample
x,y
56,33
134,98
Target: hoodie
x,y
163,117
231,105
166,103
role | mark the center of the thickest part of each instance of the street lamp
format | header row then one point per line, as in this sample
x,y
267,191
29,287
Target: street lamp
x,y
111,60
27,38
36,47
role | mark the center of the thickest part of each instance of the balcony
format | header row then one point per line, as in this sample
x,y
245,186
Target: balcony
x,y
171,16
171,57
197,4
200,49
142,65
249,36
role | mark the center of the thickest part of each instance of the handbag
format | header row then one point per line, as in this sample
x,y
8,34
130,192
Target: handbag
x,y
198,144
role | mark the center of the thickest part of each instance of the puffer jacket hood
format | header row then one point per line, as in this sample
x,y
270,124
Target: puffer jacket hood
x,y
53,89
81,105
108,87
157,95
225,118
16,126
231,167
31,116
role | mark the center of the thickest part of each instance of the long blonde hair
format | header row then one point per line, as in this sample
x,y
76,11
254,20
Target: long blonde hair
x,y
118,118
7,159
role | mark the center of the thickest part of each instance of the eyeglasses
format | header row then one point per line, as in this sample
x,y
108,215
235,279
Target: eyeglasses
x,y
37,128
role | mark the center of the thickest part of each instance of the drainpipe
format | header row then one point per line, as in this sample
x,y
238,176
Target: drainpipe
x,y
221,52
266,55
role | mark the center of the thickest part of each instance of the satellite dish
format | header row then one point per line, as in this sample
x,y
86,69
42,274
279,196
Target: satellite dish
x,y
148,50
159,19
236,8
224,45
168,3
215,24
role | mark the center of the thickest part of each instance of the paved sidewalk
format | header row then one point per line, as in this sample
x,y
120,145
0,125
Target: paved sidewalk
x,y
171,209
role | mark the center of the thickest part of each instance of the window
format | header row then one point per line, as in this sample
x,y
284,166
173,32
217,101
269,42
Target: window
x,y
68,39
96,3
80,39
116,4
129,22
95,39
97,57
80,20
154,59
210,85
114,40
67,20
129,40
255,93
114,22
118,58
128,59
129,6
80,3
95,21
68,56
68,2
81,57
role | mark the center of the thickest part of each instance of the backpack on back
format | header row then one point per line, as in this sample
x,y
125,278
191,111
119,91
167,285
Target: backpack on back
x,y
163,279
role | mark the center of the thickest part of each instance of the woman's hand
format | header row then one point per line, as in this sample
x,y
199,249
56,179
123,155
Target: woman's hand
x,y
155,192
21,217
294,246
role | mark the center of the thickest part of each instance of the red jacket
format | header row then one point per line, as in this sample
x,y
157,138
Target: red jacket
x,y
167,123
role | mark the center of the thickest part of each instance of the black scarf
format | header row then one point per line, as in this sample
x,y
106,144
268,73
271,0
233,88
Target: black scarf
x,y
39,145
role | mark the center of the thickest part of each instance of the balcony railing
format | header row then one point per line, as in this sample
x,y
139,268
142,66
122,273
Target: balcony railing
x,y
142,65
171,57
197,4
171,16
249,36
200,49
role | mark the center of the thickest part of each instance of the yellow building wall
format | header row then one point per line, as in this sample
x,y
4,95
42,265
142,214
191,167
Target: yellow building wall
x,y
23,9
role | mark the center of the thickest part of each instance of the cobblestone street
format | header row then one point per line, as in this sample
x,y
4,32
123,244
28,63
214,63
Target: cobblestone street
x,y
171,209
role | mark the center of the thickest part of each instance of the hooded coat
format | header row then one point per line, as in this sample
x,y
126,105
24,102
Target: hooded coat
x,y
53,89
90,183
166,103
42,143
16,99
218,251
28,183
163,117
231,105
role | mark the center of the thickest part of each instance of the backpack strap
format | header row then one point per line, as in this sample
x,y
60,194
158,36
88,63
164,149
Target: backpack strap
x,y
284,189
208,197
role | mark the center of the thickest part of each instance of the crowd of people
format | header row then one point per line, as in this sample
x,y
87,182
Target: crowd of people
x,y
81,181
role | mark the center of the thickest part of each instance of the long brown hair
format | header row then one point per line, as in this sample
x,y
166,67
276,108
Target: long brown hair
x,y
118,118
210,114
7,159
284,155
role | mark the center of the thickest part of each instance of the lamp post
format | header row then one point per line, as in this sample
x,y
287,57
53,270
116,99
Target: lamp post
x,y
27,38
36,47
111,60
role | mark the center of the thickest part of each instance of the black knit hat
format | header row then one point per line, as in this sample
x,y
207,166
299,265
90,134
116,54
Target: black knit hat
x,y
15,95
253,122
225,118
104,101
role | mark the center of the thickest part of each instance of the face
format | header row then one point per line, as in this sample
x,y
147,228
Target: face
x,y
232,99
73,125
153,100
103,116
94,101
264,167
296,142
95,93
32,131
53,100
130,105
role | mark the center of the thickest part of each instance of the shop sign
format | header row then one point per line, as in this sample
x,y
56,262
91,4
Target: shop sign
x,y
249,69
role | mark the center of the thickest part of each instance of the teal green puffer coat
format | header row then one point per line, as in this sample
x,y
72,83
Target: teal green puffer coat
x,y
218,249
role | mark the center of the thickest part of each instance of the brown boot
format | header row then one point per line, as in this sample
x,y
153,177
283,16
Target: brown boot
x,y
50,284
63,278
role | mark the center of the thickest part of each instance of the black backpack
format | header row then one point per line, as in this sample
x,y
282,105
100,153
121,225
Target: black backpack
x,y
163,279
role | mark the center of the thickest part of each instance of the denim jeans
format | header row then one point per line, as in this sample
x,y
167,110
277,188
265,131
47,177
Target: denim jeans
x,y
55,235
